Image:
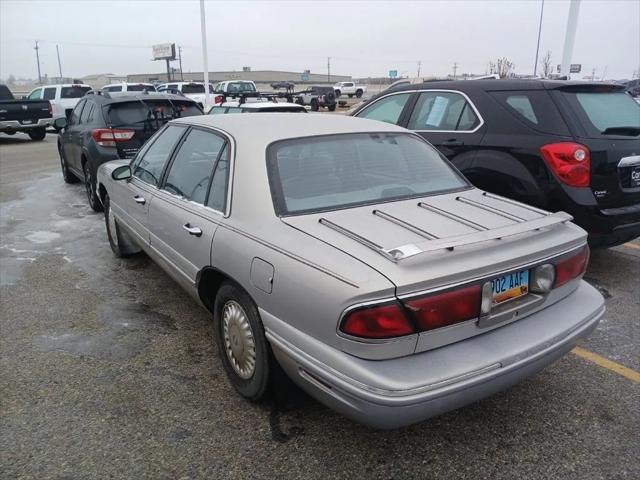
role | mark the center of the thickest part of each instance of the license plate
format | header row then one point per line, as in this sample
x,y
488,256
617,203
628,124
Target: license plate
x,y
510,286
635,177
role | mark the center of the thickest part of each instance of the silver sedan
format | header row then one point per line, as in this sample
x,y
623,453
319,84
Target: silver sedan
x,y
351,254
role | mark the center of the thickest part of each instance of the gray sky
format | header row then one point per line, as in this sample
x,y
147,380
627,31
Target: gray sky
x,y
362,38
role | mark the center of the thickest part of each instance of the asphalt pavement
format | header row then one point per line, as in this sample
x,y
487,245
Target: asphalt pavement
x,y
108,370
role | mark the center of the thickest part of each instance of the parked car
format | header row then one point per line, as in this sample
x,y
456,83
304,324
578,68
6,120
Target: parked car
x,y
350,89
286,85
192,90
63,97
352,255
318,97
129,87
27,116
572,146
103,127
257,107
235,86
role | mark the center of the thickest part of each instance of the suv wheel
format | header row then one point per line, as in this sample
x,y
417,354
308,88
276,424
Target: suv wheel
x,y
37,134
241,342
332,107
314,105
359,93
67,176
350,95
90,187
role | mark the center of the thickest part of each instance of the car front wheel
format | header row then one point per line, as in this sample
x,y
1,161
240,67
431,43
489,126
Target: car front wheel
x,y
241,342
120,244
90,187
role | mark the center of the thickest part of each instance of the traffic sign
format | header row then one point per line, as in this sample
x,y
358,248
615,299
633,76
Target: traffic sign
x,y
575,68
304,77
393,73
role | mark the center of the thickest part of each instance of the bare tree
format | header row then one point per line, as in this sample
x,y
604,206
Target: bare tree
x,y
546,67
503,67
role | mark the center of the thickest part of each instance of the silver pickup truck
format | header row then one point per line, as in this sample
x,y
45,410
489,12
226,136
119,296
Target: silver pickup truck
x,y
32,117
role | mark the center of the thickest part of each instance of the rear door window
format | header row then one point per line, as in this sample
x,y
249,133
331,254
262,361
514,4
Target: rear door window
x,y
387,109
190,173
74,119
49,93
149,166
35,95
443,111
534,108
87,112
75,91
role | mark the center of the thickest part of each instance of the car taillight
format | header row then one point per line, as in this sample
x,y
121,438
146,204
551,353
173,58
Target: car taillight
x,y
50,109
217,99
571,267
381,321
571,162
108,137
442,309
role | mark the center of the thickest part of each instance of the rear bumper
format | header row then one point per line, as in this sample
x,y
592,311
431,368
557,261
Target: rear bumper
x,y
384,394
16,126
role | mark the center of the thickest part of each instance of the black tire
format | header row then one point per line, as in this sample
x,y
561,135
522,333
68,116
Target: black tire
x,y
67,176
90,188
332,107
598,242
120,243
37,134
338,93
255,386
350,95
359,93
314,105
299,101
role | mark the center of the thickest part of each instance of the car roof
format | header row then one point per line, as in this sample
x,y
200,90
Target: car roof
x,y
494,85
127,83
260,105
63,85
270,127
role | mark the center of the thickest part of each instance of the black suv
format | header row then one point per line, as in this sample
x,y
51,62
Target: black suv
x,y
104,127
571,146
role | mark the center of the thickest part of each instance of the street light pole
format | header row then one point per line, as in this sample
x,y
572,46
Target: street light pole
x,y
203,27
570,36
535,65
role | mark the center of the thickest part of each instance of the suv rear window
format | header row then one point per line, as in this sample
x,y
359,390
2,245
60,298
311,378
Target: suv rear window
x,y
235,87
608,110
192,88
330,172
75,91
155,112
535,108
140,88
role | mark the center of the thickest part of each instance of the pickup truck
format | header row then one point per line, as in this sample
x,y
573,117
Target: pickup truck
x,y
28,116
63,97
349,88
192,90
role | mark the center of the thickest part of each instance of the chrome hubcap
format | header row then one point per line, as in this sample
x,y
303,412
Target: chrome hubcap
x,y
239,343
113,233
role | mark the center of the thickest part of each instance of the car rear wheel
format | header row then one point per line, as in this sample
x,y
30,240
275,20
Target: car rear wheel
x,y
67,176
37,134
241,342
119,242
314,105
338,93
350,95
359,93
332,108
90,188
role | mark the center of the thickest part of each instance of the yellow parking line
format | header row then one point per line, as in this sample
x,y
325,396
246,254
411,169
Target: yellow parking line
x,y
608,364
631,245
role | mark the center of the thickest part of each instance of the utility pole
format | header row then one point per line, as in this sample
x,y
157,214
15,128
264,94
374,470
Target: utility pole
x,y
570,36
329,69
455,69
180,60
419,65
535,65
593,74
59,64
203,28
38,60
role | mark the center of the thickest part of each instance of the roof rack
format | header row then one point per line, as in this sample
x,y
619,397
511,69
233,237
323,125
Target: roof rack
x,y
243,96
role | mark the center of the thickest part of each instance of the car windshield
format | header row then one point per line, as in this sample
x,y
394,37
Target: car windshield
x,y
331,172
608,110
150,113
235,87
75,91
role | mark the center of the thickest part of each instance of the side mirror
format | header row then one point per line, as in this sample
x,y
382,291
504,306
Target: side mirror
x,y
121,173
67,114
60,123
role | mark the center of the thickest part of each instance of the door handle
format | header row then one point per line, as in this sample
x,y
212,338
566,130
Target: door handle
x,y
453,143
192,230
139,199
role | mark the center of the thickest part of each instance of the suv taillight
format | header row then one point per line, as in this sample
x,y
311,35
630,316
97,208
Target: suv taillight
x,y
107,137
571,267
217,99
571,162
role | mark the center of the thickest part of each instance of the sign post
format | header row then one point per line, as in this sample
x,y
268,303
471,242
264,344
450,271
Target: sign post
x,y
167,52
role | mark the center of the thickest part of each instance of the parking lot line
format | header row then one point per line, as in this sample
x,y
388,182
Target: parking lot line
x,y
631,245
608,364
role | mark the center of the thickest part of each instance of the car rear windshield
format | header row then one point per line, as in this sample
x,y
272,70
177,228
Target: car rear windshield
x,y
194,88
150,113
140,88
331,172
609,110
75,91
235,87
